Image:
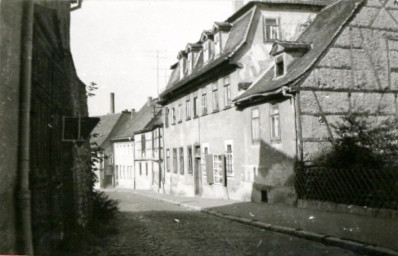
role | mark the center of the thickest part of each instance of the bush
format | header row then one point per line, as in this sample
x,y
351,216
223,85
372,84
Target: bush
x,y
362,143
104,208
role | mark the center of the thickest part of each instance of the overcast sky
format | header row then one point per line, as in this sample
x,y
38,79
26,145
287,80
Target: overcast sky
x,y
114,44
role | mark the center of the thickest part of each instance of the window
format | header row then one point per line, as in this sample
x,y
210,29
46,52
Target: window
x,y
166,117
188,107
174,160
140,168
218,169
206,51
146,169
168,160
204,101
173,115
190,160
255,125
179,113
205,152
229,160
271,29
215,97
195,106
191,62
275,127
279,66
217,43
143,145
227,91
182,67
181,160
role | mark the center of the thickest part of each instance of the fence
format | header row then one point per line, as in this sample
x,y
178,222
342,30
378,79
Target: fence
x,y
370,188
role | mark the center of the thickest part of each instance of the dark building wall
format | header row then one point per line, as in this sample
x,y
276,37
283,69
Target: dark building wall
x,y
10,23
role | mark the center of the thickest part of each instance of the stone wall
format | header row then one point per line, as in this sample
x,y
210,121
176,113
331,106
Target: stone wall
x,y
359,72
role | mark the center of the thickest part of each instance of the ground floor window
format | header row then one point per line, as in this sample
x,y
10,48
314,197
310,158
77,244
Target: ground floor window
x,y
190,160
181,160
218,169
175,160
140,169
168,160
229,164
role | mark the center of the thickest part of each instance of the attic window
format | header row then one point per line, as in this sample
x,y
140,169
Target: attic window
x,y
217,43
271,29
206,51
191,62
182,67
279,66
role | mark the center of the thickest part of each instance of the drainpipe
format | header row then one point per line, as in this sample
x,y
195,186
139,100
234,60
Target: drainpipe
x,y
24,126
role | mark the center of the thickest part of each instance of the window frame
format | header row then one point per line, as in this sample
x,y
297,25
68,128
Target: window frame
x,y
217,43
181,160
190,159
179,112
215,97
168,160
173,116
227,92
253,120
166,119
229,159
267,29
175,164
275,116
204,102
188,107
195,105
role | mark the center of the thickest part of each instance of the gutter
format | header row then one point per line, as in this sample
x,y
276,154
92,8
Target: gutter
x,y
24,195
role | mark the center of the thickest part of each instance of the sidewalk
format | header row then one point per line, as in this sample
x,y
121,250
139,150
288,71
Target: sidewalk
x,y
375,236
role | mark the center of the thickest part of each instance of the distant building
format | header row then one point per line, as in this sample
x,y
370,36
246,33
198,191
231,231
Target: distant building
x,y
149,155
213,149
102,145
127,172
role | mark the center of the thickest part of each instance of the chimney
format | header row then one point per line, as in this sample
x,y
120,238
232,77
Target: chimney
x,y
112,110
149,101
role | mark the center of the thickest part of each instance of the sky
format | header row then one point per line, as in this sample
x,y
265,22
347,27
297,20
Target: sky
x,y
115,43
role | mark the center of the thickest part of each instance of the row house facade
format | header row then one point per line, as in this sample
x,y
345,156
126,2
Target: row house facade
x,y
212,148
125,145
257,95
148,156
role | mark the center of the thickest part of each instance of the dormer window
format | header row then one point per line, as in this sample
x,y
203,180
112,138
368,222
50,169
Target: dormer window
x,y
182,59
279,66
271,29
182,67
206,51
191,62
217,43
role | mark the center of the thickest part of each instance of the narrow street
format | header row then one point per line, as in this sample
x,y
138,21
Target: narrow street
x,y
146,226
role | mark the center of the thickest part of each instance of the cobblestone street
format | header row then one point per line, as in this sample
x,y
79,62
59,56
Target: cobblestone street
x,y
146,226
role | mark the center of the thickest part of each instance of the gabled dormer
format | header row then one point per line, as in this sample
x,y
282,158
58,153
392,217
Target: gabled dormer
x,y
192,51
220,31
182,60
285,52
207,41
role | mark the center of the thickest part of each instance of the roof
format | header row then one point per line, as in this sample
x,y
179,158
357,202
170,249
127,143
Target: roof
x,y
237,36
321,33
156,121
286,46
246,7
101,132
141,119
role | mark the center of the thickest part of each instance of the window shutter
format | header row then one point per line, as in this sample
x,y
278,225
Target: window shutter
x,y
209,169
223,173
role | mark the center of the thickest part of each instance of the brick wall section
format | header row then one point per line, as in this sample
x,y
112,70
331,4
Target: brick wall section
x,y
360,70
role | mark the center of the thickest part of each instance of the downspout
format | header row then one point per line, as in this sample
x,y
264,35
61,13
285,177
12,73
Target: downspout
x,y
24,195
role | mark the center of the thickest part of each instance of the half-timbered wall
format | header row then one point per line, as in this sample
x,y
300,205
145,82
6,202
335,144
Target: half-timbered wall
x,y
359,71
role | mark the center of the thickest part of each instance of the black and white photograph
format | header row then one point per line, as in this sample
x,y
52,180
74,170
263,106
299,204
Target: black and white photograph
x,y
198,127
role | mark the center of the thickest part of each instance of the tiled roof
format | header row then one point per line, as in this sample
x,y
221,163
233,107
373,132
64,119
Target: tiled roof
x,y
157,121
237,36
104,128
137,123
321,33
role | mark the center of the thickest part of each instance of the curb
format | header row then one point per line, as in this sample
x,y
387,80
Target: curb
x,y
354,246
